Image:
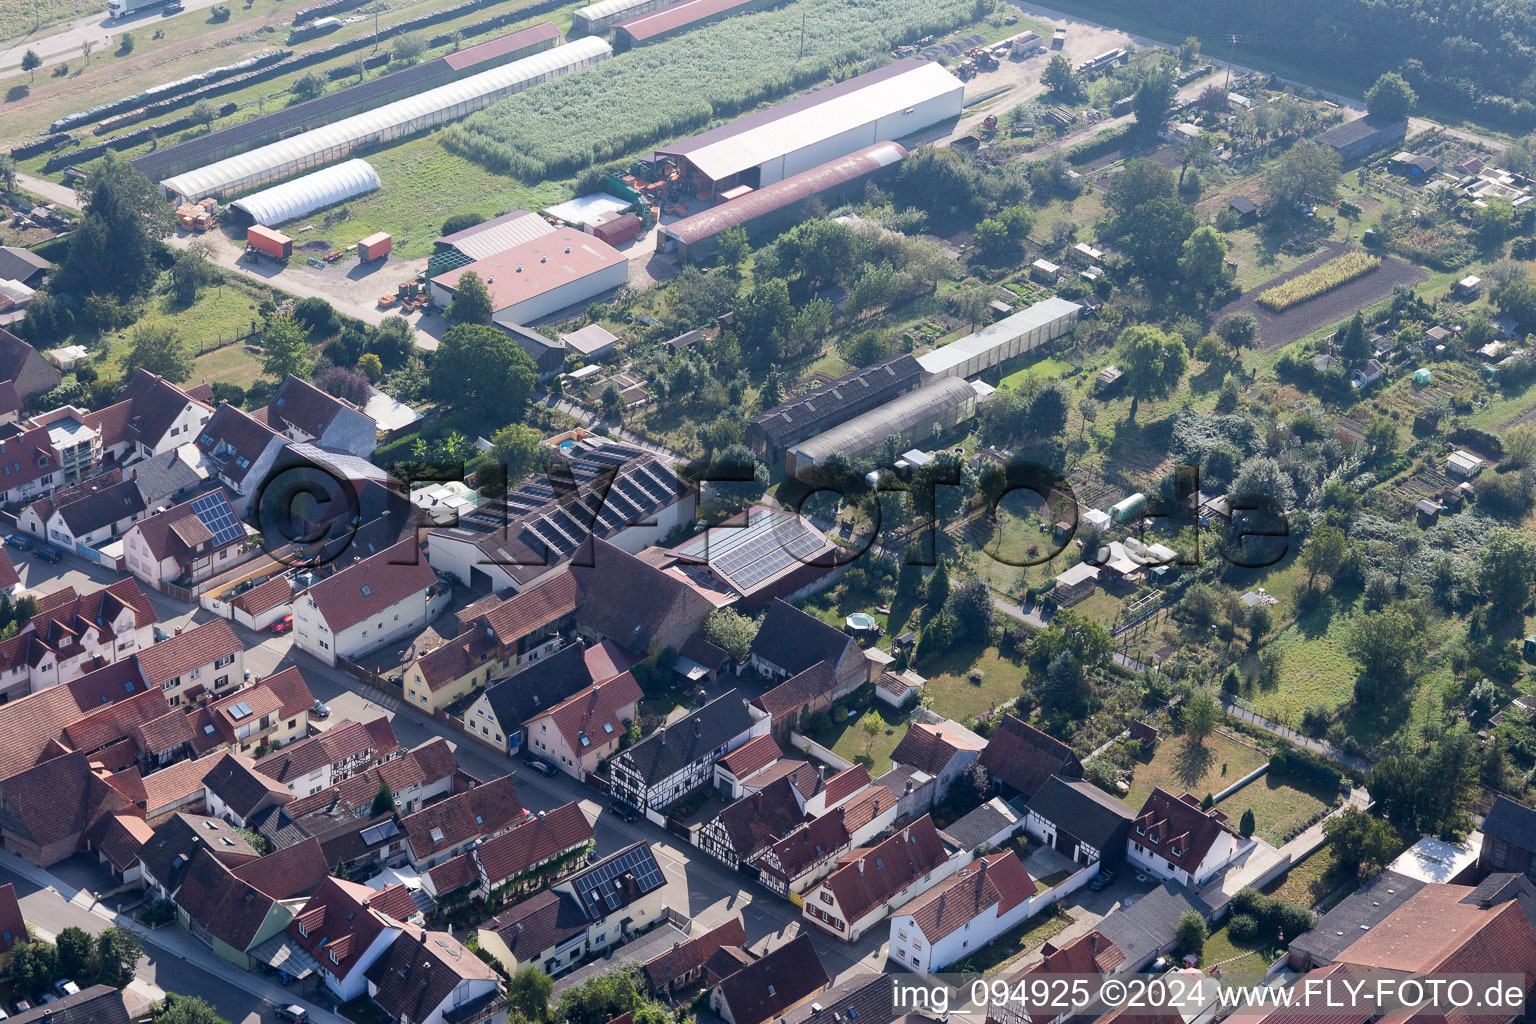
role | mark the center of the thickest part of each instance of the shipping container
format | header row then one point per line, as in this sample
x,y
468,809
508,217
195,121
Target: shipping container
x,y
620,229
374,246
274,243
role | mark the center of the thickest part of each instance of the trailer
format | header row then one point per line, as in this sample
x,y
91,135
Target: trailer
x,y
265,240
374,247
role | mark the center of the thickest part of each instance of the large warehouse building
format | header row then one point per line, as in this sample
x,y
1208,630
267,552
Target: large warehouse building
x,y
805,416
530,281
781,204
485,240
319,146
757,150
397,85
1022,332
914,418
303,196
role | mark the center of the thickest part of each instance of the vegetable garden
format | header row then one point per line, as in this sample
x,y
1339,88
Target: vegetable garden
x,y
659,92
1338,271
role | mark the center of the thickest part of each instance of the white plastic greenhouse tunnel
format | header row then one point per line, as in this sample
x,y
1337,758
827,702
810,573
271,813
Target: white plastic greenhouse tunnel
x,y
332,142
303,196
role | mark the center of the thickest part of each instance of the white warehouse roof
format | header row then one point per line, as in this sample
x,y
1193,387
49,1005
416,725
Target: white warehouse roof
x,y
607,8
942,361
382,124
302,196
811,123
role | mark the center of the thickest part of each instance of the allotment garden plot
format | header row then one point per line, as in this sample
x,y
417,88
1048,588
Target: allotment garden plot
x,y
1281,327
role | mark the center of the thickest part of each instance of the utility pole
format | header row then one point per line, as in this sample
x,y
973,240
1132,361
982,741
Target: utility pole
x,y
1230,54
802,35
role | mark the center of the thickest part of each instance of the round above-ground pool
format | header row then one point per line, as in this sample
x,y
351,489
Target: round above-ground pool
x,y
861,621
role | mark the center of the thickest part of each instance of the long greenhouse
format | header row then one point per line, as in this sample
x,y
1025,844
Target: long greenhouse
x,y
913,418
595,19
332,142
303,196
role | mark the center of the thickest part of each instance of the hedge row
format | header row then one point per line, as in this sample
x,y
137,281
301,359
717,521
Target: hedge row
x,y
321,10
41,145
1101,144
1306,765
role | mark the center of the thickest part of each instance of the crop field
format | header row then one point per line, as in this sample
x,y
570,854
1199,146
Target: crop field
x,y
660,92
1278,329
1338,271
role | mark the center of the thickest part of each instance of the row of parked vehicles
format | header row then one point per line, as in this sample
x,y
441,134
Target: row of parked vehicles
x,y
47,552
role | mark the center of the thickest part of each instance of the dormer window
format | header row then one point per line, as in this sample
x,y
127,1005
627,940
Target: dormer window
x,y
1178,852
303,932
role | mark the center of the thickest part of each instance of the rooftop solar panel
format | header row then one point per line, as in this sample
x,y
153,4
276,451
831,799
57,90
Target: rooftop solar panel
x,y
214,511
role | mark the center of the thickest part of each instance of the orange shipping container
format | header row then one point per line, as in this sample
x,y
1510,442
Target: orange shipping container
x,y
374,246
273,243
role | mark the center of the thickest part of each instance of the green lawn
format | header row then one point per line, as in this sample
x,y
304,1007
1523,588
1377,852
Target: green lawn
x,y
1237,958
1279,806
1310,881
1041,367
955,696
1179,767
852,742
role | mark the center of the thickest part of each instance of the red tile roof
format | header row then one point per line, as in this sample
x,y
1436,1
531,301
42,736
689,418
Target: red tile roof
x,y
336,745
752,756
929,748
607,659
883,870
1024,757
178,533
57,799
13,928
174,784
297,403
9,577
512,853
495,804
1434,932
291,689
26,455
231,437
1092,953
690,955
845,784
772,984
193,648
535,267
420,970
532,610
997,880
119,837
593,717
230,909
454,874
342,919
113,722
1176,829
373,585
283,874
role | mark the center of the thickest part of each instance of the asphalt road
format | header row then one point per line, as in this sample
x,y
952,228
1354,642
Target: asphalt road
x,y
63,42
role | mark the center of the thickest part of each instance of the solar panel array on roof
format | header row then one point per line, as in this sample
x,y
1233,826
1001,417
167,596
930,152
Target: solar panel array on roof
x,y
214,512
598,883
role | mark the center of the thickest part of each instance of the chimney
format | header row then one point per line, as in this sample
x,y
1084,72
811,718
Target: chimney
x,y
906,834
676,946
909,785
698,725
861,865
1093,942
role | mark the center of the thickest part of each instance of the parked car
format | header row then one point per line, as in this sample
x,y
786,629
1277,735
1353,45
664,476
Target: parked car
x,y
65,987
160,634
1103,880
49,553
21,1006
294,1012
624,811
17,540
540,765
282,625
320,710
173,7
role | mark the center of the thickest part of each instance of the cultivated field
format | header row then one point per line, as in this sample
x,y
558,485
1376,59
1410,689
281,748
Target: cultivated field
x,y
1278,329
663,91
1318,281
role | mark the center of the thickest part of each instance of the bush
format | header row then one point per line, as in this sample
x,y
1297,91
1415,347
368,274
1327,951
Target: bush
x,y
316,315
1243,928
218,12
461,221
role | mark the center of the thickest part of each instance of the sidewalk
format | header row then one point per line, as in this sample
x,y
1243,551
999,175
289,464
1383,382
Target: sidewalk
x,y
1322,747
171,940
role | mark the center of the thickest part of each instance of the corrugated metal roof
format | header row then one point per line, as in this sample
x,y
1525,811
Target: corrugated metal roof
x,y
897,416
301,196
498,234
942,360
785,193
587,210
802,125
500,46
389,121
535,267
